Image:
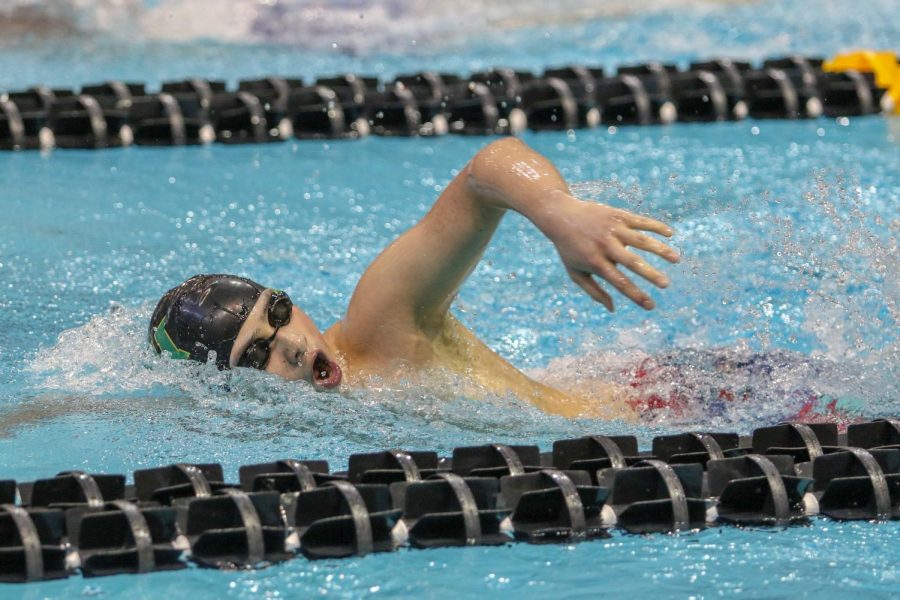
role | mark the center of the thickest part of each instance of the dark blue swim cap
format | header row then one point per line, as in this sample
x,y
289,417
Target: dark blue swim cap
x,y
203,314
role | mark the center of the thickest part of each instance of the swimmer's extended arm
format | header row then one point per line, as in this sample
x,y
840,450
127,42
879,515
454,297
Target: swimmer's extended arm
x,y
591,238
411,285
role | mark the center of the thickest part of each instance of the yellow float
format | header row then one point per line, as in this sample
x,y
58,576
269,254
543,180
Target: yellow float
x,y
882,63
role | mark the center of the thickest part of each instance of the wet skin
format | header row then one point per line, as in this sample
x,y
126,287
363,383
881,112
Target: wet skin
x,y
398,321
297,350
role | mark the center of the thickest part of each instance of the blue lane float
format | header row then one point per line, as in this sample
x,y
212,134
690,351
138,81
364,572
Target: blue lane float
x,y
493,494
429,103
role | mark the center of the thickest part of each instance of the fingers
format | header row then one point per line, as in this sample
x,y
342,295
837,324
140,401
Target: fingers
x,y
620,230
646,224
643,242
621,282
593,289
633,262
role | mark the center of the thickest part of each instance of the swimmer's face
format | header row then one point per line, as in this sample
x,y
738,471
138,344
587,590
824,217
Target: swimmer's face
x,y
295,350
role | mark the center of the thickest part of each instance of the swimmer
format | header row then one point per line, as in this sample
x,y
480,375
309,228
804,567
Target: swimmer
x,y
398,322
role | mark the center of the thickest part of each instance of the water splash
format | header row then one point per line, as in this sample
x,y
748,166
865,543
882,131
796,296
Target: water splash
x,y
686,28
731,388
854,261
350,26
53,18
105,361
356,26
815,302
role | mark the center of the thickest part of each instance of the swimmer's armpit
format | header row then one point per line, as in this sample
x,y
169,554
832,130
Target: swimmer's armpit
x,y
592,239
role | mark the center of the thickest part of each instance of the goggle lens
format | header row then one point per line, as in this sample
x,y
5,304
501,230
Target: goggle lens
x,y
280,307
256,356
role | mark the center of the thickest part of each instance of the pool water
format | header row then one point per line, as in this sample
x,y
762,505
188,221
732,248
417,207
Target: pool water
x,y
787,229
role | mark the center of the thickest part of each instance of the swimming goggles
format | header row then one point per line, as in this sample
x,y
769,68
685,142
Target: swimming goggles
x,y
256,356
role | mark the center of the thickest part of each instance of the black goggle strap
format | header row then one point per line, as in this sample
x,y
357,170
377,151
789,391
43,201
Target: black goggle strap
x,y
256,547
31,541
196,478
365,541
301,472
140,531
467,505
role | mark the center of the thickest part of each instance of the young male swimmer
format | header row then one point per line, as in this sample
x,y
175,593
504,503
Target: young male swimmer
x,y
399,320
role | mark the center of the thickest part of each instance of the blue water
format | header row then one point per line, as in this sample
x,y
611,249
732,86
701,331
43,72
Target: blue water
x,y
788,232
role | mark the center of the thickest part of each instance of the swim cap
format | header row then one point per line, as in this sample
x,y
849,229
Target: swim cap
x,y
203,314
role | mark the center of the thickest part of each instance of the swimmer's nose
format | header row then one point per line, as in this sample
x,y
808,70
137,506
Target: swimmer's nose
x,y
291,345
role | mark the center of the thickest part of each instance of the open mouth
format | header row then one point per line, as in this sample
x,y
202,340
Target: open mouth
x,y
326,373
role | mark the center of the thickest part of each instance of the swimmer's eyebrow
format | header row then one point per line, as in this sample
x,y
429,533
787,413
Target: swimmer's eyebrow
x,y
255,336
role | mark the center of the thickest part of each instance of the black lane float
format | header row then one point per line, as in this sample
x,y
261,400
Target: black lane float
x,y
493,494
429,103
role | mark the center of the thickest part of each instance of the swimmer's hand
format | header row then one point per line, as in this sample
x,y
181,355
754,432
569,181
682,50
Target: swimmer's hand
x,y
592,239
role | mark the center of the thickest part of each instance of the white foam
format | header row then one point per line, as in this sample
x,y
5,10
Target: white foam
x,y
108,358
346,25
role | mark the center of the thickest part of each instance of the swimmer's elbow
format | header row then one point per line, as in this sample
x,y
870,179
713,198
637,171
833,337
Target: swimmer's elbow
x,y
487,169
495,154
505,143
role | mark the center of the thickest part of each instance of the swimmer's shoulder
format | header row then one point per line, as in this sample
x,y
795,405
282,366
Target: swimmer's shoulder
x,y
383,351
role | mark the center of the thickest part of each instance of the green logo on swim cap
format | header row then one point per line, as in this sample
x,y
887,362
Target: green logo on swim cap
x,y
164,342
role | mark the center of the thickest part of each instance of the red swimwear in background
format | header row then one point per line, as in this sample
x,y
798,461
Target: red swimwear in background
x,y
692,384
